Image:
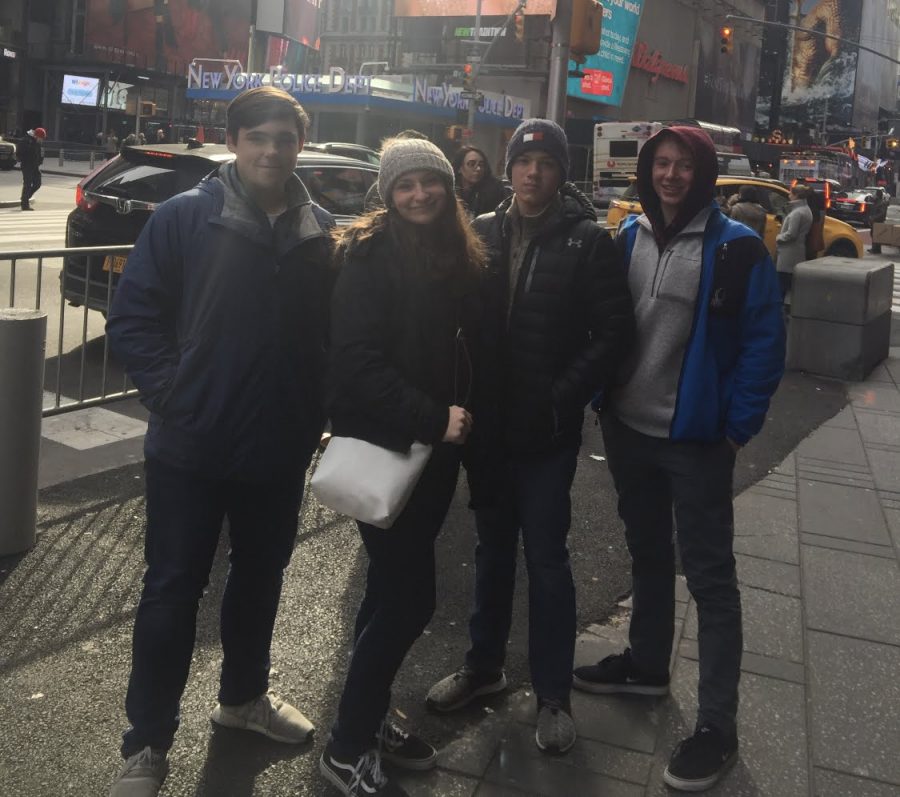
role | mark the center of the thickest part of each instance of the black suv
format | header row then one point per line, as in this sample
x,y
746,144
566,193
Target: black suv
x,y
114,202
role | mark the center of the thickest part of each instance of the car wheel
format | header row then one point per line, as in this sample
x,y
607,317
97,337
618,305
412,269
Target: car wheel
x,y
841,248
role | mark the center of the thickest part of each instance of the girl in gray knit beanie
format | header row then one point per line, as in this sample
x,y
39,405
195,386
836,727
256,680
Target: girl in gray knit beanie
x,y
400,156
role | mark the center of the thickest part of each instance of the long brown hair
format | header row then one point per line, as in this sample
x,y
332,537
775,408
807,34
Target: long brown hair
x,y
448,247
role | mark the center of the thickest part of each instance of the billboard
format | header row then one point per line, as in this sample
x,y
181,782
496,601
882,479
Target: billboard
x,y
606,73
466,8
820,74
296,19
78,90
160,31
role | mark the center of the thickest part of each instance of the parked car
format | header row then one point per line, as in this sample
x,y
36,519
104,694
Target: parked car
x,y
840,238
7,154
114,202
357,151
863,206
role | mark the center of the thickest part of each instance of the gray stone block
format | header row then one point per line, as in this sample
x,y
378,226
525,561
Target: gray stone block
x,y
771,729
852,594
854,689
769,575
840,351
834,445
520,765
837,784
629,721
843,290
766,527
875,396
772,625
885,464
833,510
877,427
435,782
836,544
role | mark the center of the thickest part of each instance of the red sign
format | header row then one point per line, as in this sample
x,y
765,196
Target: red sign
x,y
596,81
656,65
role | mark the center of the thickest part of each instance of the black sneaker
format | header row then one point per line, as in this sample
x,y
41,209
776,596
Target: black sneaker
x,y
617,674
358,776
699,761
462,687
404,749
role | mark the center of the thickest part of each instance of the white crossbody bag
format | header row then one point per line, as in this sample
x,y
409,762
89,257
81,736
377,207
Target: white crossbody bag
x,y
367,482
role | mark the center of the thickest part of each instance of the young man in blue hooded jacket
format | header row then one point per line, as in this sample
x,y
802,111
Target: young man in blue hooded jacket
x,y
694,390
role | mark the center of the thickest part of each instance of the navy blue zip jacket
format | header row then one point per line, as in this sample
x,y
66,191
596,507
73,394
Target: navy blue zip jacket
x,y
221,320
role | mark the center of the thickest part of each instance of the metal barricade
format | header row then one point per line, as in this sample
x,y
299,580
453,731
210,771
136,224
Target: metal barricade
x,y
87,277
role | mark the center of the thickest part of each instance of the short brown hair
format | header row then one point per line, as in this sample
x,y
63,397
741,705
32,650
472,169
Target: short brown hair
x,y
263,104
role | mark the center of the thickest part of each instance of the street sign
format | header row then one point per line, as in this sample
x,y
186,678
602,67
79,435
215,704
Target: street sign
x,y
470,95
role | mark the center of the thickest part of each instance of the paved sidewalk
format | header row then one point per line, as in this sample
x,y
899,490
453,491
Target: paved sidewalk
x,y
817,548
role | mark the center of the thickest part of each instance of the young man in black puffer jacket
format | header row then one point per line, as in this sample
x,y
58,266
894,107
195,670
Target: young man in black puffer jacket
x,y
564,323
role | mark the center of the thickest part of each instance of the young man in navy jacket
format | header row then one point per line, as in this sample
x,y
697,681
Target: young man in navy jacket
x,y
694,390
220,320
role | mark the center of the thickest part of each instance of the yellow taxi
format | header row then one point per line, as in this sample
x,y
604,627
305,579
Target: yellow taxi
x,y
841,239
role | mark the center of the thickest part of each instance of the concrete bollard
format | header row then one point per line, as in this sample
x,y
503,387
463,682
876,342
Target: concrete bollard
x,y
22,340
61,158
840,322
91,161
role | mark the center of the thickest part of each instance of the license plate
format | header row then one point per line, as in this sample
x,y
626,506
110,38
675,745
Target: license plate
x,y
114,263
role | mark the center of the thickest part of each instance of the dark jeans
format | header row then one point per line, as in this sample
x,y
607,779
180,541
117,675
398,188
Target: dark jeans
x,y
535,499
398,603
655,477
184,518
31,182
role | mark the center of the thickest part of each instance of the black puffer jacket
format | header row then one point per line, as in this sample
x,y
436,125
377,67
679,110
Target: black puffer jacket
x,y
404,347
570,326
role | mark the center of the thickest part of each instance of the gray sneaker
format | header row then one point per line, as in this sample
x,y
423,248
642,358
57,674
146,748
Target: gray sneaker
x,y
461,688
142,774
269,715
555,732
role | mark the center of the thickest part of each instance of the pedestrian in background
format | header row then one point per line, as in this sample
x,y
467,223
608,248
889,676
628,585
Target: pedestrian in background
x,y
111,145
564,322
220,320
695,389
791,239
476,186
749,211
404,367
30,155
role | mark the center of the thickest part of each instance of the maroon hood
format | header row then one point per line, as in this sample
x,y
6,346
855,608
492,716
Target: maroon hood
x,y
701,193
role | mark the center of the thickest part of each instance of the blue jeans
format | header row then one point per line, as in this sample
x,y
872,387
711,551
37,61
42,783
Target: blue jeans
x,y
534,499
398,602
185,511
655,478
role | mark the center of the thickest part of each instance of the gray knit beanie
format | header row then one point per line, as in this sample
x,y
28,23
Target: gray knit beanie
x,y
401,156
539,134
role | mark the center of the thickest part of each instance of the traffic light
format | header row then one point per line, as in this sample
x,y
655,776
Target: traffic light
x,y
468,78
454,132
726,39
520,27
893,143
587,23
148,108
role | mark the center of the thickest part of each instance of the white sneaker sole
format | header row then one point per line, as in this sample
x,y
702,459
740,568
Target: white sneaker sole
x,y
702,784
553,750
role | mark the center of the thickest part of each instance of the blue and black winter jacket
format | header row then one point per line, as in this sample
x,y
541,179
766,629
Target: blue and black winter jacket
x,y
734,355
220,319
